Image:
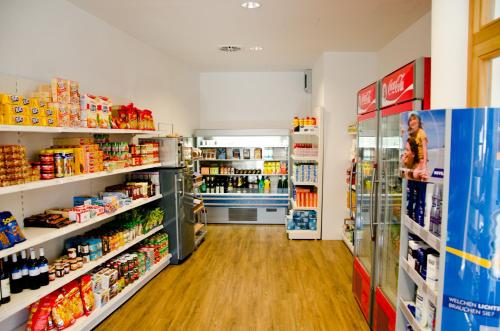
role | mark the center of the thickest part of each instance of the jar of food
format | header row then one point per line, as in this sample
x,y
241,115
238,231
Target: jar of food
x,y
47,156
73,264
72,253
52,273
67,267
59,156
47,176
79,261
69,162
60,270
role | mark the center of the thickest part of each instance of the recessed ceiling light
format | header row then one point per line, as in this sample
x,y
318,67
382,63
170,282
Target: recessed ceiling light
x,y
230,48
256,48
250,5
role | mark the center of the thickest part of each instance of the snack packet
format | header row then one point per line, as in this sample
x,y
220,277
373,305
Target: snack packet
x,y
87,294
40,311
11,232
73,296
62,314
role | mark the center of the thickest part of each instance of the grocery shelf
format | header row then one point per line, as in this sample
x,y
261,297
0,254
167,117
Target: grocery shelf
x,y
409,316
242,175
21,300
294,206
36,236
58,129
71,179
198,227
303,234
241,160
198,208
98,315
304,158
306,133
418,280
199,238
278,196
347,242
296,183
424,234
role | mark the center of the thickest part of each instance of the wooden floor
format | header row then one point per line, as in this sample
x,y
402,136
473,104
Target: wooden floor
x,y
248,278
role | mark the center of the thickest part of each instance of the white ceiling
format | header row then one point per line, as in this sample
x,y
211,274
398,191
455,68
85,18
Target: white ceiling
x,y
293,32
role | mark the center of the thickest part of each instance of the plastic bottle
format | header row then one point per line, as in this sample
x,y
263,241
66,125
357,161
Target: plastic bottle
x,y
267,185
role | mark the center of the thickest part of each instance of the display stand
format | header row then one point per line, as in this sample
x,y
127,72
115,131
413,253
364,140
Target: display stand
x,y
300,207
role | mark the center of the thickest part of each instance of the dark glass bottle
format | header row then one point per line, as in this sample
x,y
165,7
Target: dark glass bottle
x,y
43,266
24,269
4,283
33,271
16,276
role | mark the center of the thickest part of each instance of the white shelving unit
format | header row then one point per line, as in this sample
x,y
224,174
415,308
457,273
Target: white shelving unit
x,y
66,180
99,314
242,160
409,279
314,136
22,300
36,236
347,242
50,129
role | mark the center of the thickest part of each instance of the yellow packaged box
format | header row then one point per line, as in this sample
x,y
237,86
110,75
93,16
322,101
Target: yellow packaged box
x,y
35,120
50,121
12,119
26,102
8,109
79,160
10,99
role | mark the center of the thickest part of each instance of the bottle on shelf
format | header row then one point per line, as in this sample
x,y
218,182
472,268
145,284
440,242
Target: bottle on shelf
x,y
203,186
33,271
267,185
4,283
16,275
230,185
280,185
24,269
43,266
261,184
285,185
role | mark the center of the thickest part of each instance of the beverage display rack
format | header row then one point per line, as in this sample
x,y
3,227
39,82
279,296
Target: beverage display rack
x,y
311,135
245,203
348,232
10,312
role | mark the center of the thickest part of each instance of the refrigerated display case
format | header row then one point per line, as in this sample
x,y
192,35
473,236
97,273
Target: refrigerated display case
x,y
379,188
349,220
367,156
244,173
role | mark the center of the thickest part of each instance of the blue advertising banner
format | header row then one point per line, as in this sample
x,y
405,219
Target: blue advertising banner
x,y
471,298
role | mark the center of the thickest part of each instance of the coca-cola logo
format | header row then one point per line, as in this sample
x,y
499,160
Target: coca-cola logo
x,y
365,98
398,87
395,86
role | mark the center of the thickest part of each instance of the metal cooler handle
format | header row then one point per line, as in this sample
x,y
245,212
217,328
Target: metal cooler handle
x,y
372,202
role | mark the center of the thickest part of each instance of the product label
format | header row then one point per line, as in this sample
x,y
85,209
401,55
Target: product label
x,y
17,274
5,286
25,271
44,268
398,86
33,272
367,99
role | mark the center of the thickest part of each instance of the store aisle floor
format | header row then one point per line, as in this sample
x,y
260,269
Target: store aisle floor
x,y
248,278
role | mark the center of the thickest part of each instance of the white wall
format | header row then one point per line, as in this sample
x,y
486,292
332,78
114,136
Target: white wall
x,y
342,74
45,39
410,44
339,77
246,100
450,28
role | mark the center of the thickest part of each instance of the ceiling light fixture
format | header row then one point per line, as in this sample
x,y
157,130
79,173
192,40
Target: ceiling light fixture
x,y
250,5
230,48
256,48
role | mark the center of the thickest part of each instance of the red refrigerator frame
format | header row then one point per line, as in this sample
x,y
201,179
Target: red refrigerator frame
x,y
405,89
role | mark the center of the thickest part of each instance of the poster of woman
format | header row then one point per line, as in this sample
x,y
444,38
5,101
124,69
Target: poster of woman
x,y
422,158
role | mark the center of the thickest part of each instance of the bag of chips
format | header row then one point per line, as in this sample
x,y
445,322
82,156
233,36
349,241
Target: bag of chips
x,y
62,314
10,232
39,314
87,294
72,292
